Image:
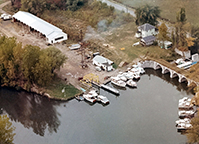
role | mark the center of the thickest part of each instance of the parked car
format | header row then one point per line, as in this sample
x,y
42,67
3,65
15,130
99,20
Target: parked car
x,y
6,17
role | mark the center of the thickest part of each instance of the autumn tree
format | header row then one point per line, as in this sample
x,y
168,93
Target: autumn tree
x,y
6,130
192,134
163,32
147,14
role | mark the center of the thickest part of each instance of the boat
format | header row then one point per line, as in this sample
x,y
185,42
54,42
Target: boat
x,y
185,103
79,98
118,82
102,99
128,75
186,113
138,69
89,98
183,127
131,83
121,77
185,120
136,76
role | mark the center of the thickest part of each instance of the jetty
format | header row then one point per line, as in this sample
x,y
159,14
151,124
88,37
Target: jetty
x,y
110,89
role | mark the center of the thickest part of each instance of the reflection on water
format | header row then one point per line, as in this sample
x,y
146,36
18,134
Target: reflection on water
x,y
143,115
166,77
30,110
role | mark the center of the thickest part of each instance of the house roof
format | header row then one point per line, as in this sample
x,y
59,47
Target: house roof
x,y
102,60
146,27
38,24
148,39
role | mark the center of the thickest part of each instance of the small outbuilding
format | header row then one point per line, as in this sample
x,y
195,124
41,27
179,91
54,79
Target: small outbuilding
x,y
147,41
103,63
52,33
165,44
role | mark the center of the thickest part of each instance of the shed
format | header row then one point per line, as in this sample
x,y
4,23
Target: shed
x,y
103,63
165,44
52,33
146,41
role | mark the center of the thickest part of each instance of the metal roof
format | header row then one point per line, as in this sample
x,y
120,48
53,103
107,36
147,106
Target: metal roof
x,y
146,27
148,39
102,60
38,24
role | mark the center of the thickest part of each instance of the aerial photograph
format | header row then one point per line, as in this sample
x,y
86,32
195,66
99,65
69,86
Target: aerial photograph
x,y
99,72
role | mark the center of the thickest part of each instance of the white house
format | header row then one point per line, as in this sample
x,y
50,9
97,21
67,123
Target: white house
x,y
103,63
146,30
52,33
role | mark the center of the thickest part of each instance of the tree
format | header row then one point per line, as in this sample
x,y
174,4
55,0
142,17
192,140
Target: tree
x,y
30,59
193,133
6,130
35,7
163,32
147,14
57,57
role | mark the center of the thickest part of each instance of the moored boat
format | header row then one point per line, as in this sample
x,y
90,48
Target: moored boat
x,y
121,77
79,98
102,99
89,98
131,83
118,82
186,113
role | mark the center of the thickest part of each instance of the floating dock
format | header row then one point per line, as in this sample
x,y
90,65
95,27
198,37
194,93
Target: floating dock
x,y
110,89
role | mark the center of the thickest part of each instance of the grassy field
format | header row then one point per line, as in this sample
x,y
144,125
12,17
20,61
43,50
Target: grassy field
x,y
55,89
169,8
123,37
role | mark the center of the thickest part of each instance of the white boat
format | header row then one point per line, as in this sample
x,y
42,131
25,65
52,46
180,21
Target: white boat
x,y
186,113
128,75
121,77
185,103
131,83
103,99
93,93
89,98
183,127
138,69
118,82
185,120
136,76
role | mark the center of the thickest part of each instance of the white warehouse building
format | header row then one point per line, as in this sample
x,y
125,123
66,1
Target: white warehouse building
x,y
52,33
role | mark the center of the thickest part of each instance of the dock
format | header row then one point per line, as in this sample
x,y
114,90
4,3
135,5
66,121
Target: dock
x,y
110,89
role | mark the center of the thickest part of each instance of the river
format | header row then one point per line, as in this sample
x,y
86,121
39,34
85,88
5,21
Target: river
x,y
145,115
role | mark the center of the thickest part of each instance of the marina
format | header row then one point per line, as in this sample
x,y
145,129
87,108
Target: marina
x,y
127,119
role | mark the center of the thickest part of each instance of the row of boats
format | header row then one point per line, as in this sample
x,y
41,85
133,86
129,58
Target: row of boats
x,y
92,97
129,77
186,112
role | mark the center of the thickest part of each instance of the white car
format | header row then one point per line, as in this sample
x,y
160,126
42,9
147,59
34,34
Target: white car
x,y
6,17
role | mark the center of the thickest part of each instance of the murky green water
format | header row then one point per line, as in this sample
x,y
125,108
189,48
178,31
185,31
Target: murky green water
x,y
145,115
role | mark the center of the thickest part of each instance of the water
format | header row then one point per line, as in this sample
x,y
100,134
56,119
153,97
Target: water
x,y
145,115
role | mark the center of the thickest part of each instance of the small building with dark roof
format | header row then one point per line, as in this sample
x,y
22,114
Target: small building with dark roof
x,y
146,30
146,41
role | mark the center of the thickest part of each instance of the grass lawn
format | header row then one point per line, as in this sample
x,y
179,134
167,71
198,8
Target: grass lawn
x,y
123,37
169,8
55,89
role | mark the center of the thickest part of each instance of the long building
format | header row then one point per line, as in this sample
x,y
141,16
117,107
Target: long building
x,y
52,33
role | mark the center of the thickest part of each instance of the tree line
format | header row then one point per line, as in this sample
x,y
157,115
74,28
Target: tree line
x,y
38,6
25,66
